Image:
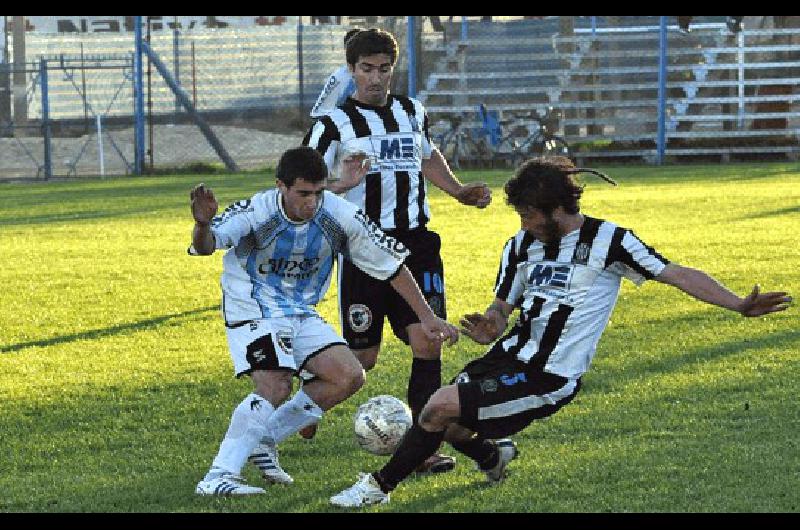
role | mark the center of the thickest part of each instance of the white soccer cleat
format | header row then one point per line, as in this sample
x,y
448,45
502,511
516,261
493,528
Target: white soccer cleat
x,y
226,484
365,492
265,458
507,450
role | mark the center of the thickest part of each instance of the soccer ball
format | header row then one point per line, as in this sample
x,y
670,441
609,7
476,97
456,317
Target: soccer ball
x,y
380,423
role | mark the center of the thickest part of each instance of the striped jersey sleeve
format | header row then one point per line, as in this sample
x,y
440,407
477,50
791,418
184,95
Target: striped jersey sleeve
x,y
507,286
324,136
630,257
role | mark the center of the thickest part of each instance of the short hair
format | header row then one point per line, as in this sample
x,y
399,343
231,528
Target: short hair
x,y
371,42
350,34
545,183
301,163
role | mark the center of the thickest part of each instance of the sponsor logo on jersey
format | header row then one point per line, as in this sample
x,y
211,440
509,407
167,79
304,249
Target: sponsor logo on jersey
x,y
359,317
550,276
290,268
380,238
511,380
395,152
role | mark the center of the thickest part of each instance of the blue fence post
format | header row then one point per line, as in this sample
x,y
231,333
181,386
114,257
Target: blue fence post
x,y
464,28
48,162
594,25
411,37
301,92
176,61
662,90
138,105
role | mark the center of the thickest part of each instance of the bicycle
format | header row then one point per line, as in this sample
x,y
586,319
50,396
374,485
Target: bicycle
x,y
460,143
529,134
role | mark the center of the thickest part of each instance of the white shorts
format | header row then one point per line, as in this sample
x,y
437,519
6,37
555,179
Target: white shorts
x,y
285,343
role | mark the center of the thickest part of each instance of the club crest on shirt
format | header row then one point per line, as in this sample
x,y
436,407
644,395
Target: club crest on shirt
x,y
582,254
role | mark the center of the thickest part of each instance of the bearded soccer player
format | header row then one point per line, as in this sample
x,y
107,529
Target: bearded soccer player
x,y
563,271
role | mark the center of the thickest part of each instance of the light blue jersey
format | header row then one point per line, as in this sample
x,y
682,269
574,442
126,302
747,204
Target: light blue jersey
x,y
337,89
277,267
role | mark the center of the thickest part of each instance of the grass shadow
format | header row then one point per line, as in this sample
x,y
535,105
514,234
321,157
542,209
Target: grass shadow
x,y
113,330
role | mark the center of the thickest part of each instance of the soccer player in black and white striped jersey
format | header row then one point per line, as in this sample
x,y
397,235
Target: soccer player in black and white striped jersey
x,y
380,155
563,271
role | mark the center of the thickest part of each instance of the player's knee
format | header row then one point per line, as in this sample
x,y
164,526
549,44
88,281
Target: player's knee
x,y
273,386
368,358
354,380
437,413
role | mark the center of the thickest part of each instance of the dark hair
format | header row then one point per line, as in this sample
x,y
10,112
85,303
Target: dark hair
x,y
545,183
371,42
301,163
350,34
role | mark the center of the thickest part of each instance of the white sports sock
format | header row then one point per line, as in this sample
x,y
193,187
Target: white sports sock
x,y
293,415
248,426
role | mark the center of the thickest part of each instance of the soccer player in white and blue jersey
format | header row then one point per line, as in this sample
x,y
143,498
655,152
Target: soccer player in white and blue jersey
x,y
281,246
563,272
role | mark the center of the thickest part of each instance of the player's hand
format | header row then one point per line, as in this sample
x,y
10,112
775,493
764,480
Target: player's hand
x,y
440,331
354,168
757,303
480,328
475,194
204,205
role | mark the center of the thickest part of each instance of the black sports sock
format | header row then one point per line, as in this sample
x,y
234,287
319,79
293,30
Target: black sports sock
x,y
425,379
479,449
417,445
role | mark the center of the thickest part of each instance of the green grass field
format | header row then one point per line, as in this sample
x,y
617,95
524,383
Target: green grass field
x,y
116,385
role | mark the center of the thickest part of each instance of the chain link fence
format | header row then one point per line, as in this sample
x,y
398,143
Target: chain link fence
x,y
254,86
496,89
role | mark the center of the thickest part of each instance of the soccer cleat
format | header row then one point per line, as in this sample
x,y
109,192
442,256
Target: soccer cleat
x,y
226,484
436,463
507,451
309,431
265,458
364,492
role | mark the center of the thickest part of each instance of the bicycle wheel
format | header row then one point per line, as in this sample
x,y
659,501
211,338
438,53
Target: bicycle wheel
x,y
552,146
448,147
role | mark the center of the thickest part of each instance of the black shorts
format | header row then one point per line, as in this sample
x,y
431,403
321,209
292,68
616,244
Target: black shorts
x,y
365,301
501,395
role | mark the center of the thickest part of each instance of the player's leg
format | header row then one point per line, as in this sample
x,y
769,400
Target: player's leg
x,y
253,349
426,266
361,311
419,443
319,350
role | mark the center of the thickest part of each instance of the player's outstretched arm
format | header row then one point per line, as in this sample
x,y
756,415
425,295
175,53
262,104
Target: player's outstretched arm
x,y
204,208
487,327
705,288
436,170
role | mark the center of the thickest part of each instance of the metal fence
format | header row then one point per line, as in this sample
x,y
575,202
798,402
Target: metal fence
x,y
253,86
614,84
620,89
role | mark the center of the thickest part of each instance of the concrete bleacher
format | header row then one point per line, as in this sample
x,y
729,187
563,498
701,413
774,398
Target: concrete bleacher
x,y
720,87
